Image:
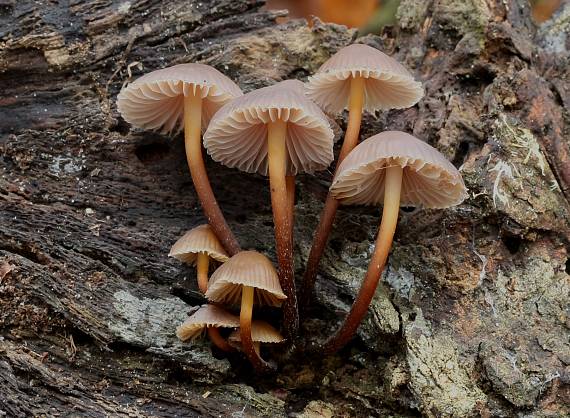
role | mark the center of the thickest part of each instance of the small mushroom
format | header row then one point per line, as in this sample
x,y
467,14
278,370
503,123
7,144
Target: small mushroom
x,y
357,77
185,97
245,277
210,318
196,247
261,332
393,168
277,131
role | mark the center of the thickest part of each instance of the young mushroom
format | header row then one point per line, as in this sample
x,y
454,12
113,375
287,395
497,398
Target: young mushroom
x,y
277,131
261,332
357,77
393,168
196,247
184,96
210,318
245,278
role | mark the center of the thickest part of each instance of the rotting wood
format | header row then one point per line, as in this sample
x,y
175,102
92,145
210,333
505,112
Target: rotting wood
x,y
89,209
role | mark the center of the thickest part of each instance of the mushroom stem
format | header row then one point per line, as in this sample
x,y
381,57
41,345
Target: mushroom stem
x,y
393,186
193,144
355,105
247,344
218,340
290,184
280,203
202,264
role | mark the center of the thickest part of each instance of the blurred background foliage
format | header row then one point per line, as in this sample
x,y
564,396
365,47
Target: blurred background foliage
x,y
372,15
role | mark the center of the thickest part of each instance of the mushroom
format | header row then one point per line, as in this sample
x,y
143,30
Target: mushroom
x,y
245,277
261,332
397,169
357,77
185,97
210,318
277,131
196,247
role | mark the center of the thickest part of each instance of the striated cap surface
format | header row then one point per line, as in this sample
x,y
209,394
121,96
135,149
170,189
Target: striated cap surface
x,y
247,268
237,134
198,240
295,85
429,179
388,84
206,316
156,100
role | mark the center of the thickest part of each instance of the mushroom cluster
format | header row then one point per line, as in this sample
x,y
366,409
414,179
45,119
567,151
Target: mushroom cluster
x,y
279,132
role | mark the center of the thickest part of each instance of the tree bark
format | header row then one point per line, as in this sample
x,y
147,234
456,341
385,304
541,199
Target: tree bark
x,y
470,317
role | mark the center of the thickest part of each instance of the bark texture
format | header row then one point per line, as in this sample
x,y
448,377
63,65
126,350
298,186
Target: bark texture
x,y
472,318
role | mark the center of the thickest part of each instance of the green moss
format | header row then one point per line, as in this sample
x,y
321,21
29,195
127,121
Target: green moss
x,y
411,13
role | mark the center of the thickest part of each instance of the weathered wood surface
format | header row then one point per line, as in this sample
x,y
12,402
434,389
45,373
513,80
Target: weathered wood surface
x,y
473,318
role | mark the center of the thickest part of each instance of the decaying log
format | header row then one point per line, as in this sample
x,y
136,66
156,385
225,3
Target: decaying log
x,y
472,316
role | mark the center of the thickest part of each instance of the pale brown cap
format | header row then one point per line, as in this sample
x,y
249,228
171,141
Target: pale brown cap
x,y
261,332
198,240
206,316
295,85
429,179
156,100
388,84
246,268
237,134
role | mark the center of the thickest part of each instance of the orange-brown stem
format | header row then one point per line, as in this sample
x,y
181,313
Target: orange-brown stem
x,y
247,344
218,340
193,144
328,213
383,244
290,184
202,265
276,135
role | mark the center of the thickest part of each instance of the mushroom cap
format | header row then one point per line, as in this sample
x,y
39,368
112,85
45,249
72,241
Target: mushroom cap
x,y
198,240
429,179
237,134
261,332
388,84
206,316
246,268
293,84
156,100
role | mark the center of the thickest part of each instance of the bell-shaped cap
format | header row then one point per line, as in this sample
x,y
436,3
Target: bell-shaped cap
x,y
206,316
246,268
261,332
237,134
388,84
429,179
156,100
198,240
